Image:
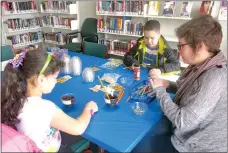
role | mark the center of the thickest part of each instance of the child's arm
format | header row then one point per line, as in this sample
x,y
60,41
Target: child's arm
x,y
72,126
129,57
172,63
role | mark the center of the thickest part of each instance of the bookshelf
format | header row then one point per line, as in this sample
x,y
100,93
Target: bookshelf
x,y
109,12
138,14
20,24
23,22
58,17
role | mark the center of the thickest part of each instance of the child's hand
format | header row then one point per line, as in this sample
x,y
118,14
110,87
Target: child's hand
x,y
155,72
91,106
132,66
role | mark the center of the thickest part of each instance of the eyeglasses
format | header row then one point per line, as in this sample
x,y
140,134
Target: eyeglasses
x,y
179,46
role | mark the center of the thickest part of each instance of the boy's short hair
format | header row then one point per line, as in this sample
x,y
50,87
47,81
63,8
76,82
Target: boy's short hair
x,y
152,25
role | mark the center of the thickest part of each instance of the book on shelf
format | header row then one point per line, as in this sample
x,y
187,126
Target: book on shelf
x,y
22,24
119,7
186,8
55,6
10,7
223,10
206,7
121,25
119,47
122,7
26,38
55,38
169,8
152,7
57,21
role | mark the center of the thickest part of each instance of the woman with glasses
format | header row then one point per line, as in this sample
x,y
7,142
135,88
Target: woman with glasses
x,y
199,110
153,51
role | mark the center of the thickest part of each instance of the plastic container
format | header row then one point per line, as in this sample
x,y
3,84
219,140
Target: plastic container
x,y
76,65
141,94
66,60
126,81
88,75
139,108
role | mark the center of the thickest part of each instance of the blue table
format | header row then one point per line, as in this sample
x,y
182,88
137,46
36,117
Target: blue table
x,y
116,129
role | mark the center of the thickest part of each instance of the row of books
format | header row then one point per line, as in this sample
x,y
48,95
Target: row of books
x,y
118,46
57,21
21,24
18,7
57,38
122,25
26,38
118,7
127,7
55,6
121,7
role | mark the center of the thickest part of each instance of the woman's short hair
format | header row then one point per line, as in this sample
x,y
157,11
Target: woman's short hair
x,y
203,28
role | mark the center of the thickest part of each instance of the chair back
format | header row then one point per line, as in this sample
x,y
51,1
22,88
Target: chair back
x,y
175,51
6,53
89,28
88,33
14,141
94,49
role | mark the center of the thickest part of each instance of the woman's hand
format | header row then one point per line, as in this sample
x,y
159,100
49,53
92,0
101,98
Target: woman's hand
x,y
155,72
156,82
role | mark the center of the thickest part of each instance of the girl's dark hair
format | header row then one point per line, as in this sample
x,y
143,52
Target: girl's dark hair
x,y
14,83
202,29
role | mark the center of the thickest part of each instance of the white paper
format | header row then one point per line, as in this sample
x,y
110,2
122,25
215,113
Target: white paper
x,y
172,78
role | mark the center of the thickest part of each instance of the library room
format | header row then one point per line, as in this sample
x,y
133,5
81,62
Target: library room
x,y
102,76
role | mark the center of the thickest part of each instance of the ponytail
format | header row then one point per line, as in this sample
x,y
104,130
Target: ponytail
x,y
13,94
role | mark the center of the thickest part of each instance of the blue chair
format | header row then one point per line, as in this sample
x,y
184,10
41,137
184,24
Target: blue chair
x,y
6,53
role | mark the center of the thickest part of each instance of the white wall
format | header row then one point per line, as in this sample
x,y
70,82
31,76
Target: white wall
x,y
86,9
